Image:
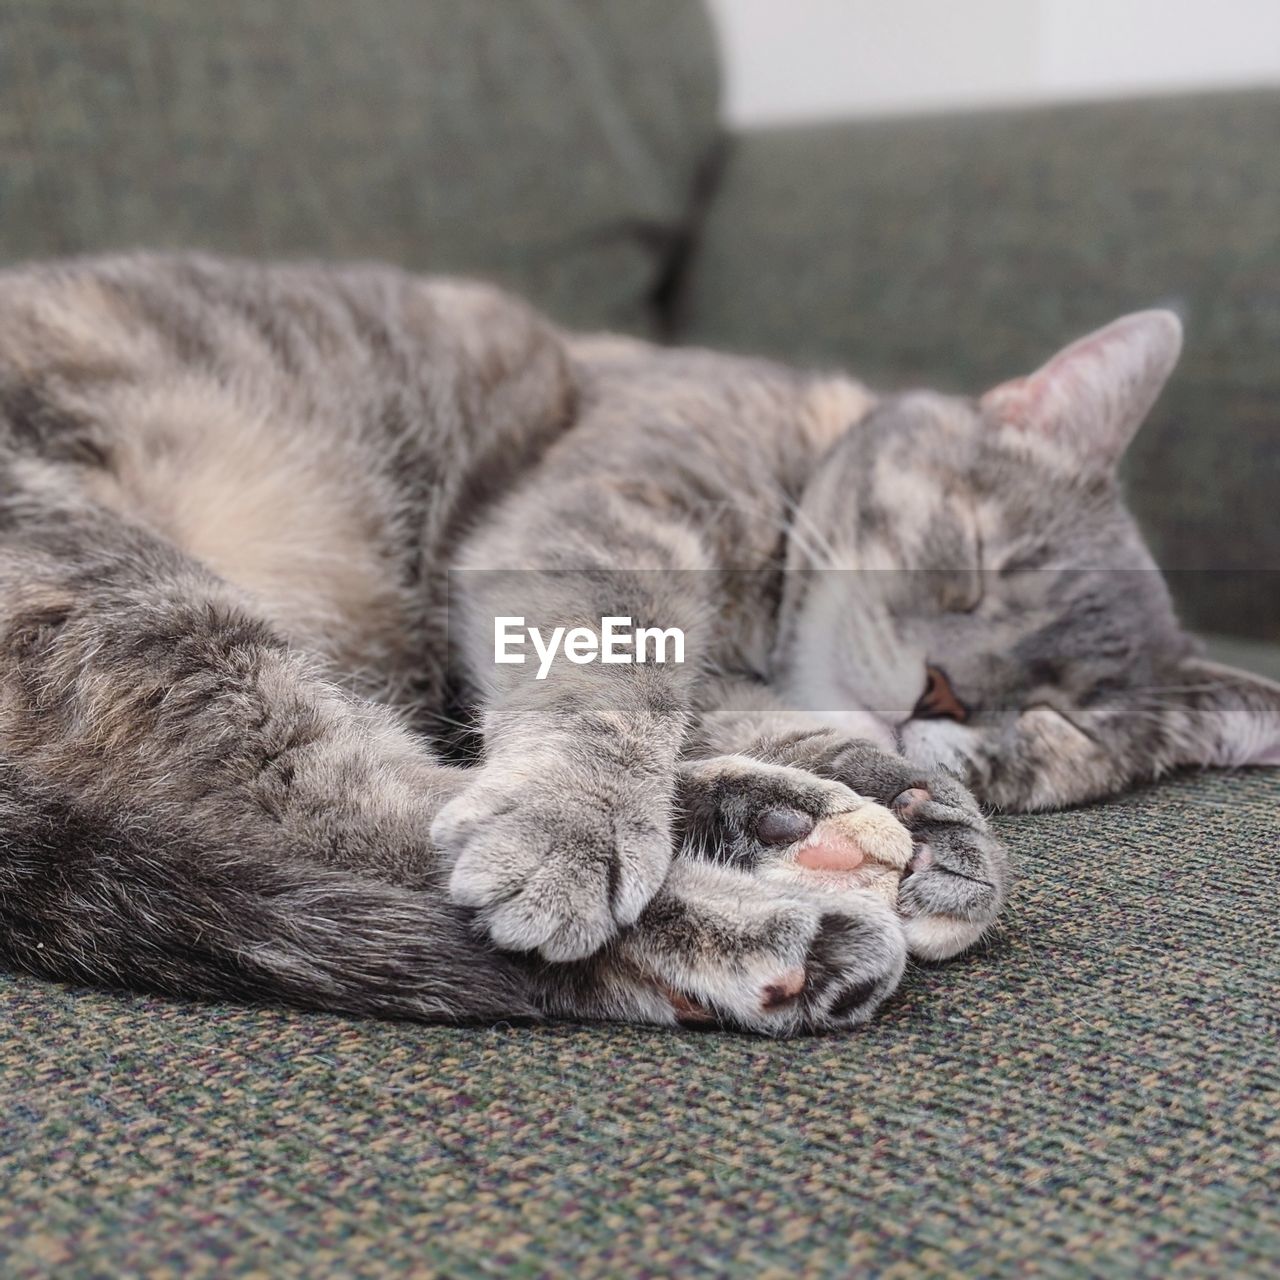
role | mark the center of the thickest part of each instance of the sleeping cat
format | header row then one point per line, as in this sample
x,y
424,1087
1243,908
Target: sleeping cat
x,y
229,498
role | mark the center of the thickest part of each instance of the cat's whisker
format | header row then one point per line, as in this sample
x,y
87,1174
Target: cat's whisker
x,y
801,518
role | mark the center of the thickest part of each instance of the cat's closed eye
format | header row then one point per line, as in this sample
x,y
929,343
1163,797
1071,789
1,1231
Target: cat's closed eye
x,y
957,590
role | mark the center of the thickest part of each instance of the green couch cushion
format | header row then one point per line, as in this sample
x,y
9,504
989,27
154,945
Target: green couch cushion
x,y
1095,1094
964,250
1249,655
552,146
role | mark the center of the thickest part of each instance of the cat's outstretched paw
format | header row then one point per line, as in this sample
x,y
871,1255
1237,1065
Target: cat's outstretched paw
x,y
725,947
955,882
555,865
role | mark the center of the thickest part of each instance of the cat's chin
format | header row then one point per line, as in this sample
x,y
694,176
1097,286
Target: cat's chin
x,y
940,744
862,726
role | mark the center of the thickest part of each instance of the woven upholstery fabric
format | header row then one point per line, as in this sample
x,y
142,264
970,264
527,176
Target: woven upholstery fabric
x,y
1096,1094
964,250
550,144
1249,655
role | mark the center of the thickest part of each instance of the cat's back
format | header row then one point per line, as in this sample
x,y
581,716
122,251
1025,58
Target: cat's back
x,y
306,431
322,344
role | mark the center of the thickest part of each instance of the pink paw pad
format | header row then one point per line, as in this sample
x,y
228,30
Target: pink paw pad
x,y
831,854
906,804
864,848
686,1009
921,860
782,991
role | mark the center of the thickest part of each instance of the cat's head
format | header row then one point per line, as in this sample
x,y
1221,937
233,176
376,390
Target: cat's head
x,y
986,597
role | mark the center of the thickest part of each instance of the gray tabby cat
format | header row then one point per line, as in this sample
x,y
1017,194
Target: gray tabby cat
x,y
228,498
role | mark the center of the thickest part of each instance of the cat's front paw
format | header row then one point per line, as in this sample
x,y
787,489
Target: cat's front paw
x,y
956,881
556,864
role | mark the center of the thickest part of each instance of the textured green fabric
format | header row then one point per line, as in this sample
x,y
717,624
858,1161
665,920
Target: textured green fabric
x,y
960,251
1246,654
551,144
1097,1094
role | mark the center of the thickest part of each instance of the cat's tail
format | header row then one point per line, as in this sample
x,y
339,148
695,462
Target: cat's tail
x,y
85,898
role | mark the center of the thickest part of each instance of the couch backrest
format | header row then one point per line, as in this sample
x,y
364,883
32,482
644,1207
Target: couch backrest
x,y
960,250
551,144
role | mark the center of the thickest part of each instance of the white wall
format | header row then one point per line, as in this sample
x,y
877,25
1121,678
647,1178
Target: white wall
x,y
807,59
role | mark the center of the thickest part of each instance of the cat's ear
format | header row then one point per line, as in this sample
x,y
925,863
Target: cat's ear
x,y
1093,395
1222,716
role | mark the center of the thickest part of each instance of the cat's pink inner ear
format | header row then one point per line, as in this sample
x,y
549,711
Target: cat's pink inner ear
x,y
1093,395
1013,403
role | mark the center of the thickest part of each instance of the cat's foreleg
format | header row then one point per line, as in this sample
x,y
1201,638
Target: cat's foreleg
x,y
566,834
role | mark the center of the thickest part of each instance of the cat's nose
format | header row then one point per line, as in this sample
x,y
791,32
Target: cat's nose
x,y
939,701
